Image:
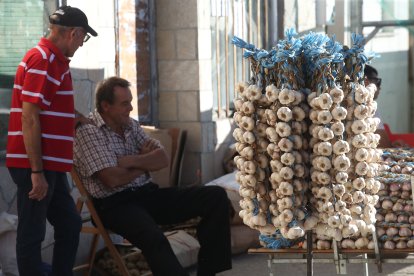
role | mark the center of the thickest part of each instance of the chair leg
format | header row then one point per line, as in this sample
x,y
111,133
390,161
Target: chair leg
x,y
92,254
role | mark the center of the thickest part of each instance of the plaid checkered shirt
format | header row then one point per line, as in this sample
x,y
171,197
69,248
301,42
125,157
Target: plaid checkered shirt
x,y
97,147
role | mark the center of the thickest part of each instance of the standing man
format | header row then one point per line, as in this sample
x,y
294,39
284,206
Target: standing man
x,y
113,156
40,144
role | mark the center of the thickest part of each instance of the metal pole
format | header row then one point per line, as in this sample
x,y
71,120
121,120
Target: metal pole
x,y
309,254
366,269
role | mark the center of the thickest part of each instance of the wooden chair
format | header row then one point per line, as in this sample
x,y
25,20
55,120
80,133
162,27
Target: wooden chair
x,y
173,139
97,231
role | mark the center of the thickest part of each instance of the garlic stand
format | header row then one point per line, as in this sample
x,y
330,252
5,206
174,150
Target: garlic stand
x,y
301,150
269,115
344,153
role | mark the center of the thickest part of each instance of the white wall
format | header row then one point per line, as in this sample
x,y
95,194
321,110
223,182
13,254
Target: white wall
x,y
95,60
392,65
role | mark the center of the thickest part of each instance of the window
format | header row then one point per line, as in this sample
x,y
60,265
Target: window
x,y
22,23
247,19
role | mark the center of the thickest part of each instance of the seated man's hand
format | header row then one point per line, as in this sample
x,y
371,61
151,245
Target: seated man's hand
x,y
129,160
149,146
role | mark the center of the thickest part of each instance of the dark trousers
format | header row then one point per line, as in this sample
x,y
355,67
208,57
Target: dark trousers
x,y
59,209
137,214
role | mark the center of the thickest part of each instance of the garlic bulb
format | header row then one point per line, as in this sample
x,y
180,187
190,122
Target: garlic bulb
x,y
358,183
247,123
358,127
349,230
338,128
298,114
241,88
253,92
247,108
341,147
272,93
348,244
361,112
286,96
295,233
325,134
337,94
341,177
334,221
324,148
284,113
285,145
361,243
310,222
339,113
321,244
341,163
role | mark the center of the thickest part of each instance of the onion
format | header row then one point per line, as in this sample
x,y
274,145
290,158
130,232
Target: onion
x,y
395,193
380,231
394,187
371,245
405,194
361,243
389,245
401,245
408,208
396,169
410,244
379,217
397,207
406,186
383,193
320,244
405,232
402,218
392,231
387,204
348,243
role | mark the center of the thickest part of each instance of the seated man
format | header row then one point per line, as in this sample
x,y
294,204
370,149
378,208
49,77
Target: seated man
x,y
113,156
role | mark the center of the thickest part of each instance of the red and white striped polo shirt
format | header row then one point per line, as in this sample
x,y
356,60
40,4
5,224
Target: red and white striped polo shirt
x,y
43,78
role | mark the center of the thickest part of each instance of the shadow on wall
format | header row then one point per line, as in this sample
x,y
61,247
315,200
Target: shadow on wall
x,y
6,86
84,84
208,163
7,187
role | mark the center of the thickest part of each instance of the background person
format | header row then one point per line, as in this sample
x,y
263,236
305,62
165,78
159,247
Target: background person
x,y
371,76
40,144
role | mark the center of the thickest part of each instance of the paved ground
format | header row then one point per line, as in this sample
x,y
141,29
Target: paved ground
x,y
256,265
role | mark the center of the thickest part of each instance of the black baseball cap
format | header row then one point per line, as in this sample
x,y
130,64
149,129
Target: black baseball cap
x,y
71,17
